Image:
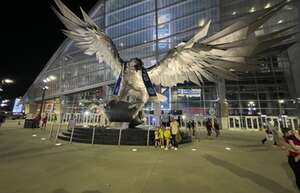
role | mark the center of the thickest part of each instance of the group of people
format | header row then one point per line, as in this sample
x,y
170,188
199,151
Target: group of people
x,y
191,127
168,136
38,119
212,125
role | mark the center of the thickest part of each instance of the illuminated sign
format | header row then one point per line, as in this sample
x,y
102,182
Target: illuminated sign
x,y
18,106
189,92
166,105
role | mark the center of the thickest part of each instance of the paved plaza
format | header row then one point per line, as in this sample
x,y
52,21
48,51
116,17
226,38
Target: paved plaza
x,y
235,162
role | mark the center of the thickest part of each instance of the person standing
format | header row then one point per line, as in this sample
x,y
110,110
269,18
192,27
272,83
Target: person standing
x,y
175,131
167,136
161,136
193,125
36,121
44,122
293,139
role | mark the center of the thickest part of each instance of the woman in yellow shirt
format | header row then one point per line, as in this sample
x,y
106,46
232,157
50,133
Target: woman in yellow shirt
x,y
167,135
161,136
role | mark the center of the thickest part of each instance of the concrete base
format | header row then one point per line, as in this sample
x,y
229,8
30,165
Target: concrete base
x,y
224,121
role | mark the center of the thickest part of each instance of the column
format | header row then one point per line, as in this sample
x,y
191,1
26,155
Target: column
x,y
223,103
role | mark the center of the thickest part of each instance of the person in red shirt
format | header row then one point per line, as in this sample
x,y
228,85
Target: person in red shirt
x,y
293,139
44,122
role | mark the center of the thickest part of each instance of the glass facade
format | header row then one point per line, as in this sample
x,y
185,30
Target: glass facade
x,y
148,29
271,82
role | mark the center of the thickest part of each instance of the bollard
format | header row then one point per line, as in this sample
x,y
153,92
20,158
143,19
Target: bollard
x,y
51,130
120,135
93,138
148,133
72,133
57,131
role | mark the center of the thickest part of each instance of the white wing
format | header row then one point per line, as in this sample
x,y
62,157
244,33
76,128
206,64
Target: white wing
x,y
218,56
89,37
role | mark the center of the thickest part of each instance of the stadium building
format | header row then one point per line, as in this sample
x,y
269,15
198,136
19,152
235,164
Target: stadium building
x,y
148,29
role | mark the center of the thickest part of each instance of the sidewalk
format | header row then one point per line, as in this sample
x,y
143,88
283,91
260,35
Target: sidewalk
x,y
30,165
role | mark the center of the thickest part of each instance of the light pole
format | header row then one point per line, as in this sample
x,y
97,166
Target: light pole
x,y
281,117
44,88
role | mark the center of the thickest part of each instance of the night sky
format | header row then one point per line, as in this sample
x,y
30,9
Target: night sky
x,y
30,34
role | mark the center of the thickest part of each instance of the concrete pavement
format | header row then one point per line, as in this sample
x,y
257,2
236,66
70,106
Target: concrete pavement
x,y
30,165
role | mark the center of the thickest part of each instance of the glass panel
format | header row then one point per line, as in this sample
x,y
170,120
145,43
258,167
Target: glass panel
x,y
131,26
249,123
130,12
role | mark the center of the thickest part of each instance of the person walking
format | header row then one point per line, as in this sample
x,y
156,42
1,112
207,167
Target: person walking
x,y
2,119
269,134
44,122
208,127
175,131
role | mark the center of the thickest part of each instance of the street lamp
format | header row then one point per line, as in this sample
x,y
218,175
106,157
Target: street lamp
x,y
44,88
282,118
5,81
251,107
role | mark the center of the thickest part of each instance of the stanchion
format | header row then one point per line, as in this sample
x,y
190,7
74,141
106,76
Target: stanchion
x,y
57,131
148,133
93,138
51,130
72,133
120,135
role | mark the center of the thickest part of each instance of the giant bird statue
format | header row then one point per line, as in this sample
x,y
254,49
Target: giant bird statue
x,y
235,48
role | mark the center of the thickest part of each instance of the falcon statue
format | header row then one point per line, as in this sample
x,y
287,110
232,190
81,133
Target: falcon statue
x,y
235,48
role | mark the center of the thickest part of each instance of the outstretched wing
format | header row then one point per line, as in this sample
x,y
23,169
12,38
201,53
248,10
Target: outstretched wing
x,y
89,37
218,56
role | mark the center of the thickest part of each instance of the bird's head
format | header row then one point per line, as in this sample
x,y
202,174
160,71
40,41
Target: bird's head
x,y
136,64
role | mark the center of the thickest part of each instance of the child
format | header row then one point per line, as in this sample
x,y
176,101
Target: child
x,y
161,136
167,135
156,137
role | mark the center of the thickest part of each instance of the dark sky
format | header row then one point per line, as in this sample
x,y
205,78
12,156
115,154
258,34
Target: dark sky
x,y
30,34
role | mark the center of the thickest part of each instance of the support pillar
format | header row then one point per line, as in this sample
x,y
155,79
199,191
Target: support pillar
x,y
223,104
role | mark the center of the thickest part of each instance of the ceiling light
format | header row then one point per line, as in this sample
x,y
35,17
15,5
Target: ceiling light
x,y
252,9
268,5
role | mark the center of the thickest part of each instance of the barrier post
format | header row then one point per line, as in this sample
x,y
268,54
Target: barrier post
x,y
93,138
73,122
51,130
120,135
